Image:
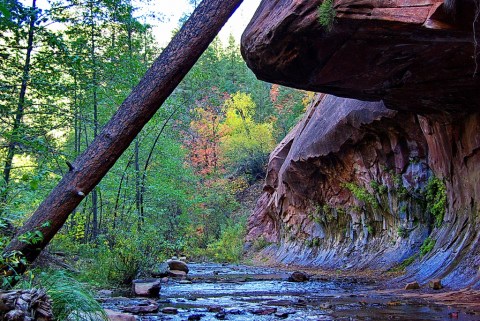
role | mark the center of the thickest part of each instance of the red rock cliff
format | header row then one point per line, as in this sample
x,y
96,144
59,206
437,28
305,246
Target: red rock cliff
x,y
349,185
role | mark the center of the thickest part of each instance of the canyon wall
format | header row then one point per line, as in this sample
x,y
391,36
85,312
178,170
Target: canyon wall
x,y
383,170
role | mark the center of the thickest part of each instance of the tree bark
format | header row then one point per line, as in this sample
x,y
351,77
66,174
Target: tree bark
x,y
158,83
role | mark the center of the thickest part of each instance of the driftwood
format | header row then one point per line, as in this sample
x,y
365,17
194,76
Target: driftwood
x,y
25,305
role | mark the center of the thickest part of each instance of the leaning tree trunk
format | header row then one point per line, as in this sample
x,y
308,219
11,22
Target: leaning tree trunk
x,y
139,107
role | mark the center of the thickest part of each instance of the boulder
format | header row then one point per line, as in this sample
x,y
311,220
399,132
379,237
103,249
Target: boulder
x,y
412,286
435,284
146,288
177,265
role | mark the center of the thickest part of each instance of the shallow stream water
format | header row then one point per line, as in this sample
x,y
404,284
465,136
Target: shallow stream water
x,y
238,292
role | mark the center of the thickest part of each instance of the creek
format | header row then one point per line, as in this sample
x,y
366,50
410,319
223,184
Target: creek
x,y
239,292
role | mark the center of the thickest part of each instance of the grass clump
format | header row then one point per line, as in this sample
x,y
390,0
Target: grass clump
x,y
71,300
326,14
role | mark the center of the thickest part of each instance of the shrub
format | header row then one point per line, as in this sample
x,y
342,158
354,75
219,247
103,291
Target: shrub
x,y
326,14
229,247
427,246
436,196
362,194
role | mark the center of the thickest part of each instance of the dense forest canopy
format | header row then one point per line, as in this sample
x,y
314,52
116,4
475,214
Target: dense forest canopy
x,y
176,189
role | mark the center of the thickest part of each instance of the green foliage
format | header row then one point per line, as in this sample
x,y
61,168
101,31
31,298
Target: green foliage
x,y
32,237
362,194
245,143
378,188
4,10
229,247
326,14
370,229
436,196
427,246
70,299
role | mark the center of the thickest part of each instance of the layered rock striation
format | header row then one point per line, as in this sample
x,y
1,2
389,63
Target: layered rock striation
x,y
391,172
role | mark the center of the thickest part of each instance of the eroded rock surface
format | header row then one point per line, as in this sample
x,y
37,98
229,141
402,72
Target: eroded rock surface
x,y
348,186
348,180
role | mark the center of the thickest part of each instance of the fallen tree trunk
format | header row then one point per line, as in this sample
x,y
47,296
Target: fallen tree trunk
x,y
140,106
25,305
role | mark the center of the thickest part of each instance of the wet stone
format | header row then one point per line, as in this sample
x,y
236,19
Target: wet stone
x,y
281,315
298,277
105,293
146,288
177,273
264,311
215,308
142,307
185,282
235,311
178,265
195,317
169,310
220,316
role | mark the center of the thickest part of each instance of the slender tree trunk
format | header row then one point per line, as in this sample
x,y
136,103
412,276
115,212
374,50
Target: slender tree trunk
x,y
95,118
158,83
147,163
19,113
138,201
